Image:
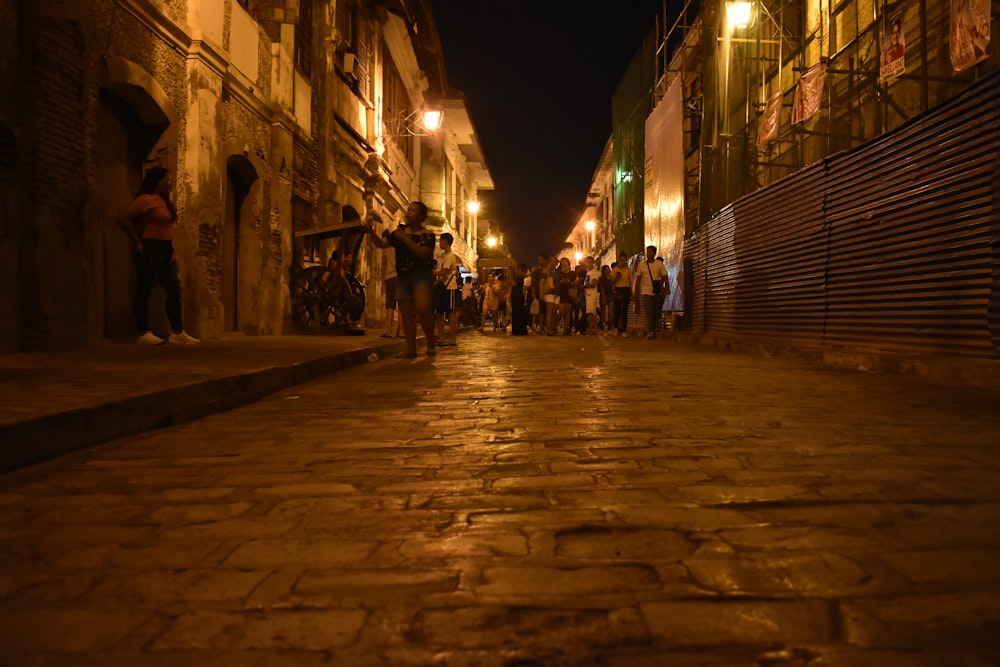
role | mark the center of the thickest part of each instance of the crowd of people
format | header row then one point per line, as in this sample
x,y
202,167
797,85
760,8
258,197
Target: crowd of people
x,y
554,298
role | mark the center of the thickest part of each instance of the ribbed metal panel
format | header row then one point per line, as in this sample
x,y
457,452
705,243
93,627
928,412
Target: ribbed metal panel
x,y
892,246
913,219
781,243
721,271
695,259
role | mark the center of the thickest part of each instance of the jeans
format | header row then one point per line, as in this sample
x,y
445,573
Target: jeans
x,y
623,297
156,265
653,305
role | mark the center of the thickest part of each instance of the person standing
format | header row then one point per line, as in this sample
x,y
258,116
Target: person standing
x,y
448,301
621,280
651,285
519,316
149,223
414,246
591,294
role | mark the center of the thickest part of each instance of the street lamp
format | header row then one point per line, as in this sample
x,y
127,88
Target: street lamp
x,y
589,225
491,242
739,13
472,206
417,123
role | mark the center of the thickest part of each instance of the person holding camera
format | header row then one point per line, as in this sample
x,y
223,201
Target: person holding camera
x,y
651,285
414,246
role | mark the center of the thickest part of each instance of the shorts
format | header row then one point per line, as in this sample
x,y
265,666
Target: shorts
x,y
551,298
421,280
592,299
390,293
447,301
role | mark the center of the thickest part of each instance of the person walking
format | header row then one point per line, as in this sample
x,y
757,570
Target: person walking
x,y
447,300
389,283
414,246
149,223
622,283
651,285
591,294
519,316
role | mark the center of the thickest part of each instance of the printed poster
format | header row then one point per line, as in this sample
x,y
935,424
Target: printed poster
x,y
970,32
770,120
893,60
809,93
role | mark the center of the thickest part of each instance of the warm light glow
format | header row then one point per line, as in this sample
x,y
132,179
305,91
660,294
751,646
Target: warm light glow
x,y
579,257
491,241
433,119
738,14
589,225
472,206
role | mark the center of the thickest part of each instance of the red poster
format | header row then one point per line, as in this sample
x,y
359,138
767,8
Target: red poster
x,y
893,60
809,93
970,32
770,121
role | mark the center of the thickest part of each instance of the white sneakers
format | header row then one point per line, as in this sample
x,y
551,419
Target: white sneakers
x,y
150,338
182,338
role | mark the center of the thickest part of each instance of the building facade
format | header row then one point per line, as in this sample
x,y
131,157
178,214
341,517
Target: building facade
x,y
271,122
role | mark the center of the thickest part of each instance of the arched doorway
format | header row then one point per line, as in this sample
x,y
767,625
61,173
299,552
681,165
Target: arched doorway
x,y
238,275
135,126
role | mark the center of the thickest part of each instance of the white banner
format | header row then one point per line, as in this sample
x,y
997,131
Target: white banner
x,y
664,191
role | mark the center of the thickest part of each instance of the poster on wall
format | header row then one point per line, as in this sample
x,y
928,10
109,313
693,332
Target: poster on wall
x,y
970,32
892,63
663,201
770,120
809,93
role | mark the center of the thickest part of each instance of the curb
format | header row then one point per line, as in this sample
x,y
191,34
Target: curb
x,y
39,439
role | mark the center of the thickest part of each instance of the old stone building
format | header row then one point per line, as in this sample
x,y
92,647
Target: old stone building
x,y
271,122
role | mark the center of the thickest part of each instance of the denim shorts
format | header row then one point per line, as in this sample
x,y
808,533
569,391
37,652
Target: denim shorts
x,y
414,281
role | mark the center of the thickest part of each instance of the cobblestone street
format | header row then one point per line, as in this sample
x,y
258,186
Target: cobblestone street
x,y
525,501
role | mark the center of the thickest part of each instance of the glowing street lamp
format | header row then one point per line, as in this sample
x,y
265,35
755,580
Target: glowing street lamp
x,y
589,225
472,206
491,241
738,14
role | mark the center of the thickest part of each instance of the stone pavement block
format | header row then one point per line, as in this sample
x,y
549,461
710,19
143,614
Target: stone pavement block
x,y
301,629
537,629
970,621
609,542
365,587
465,544
187,513
546,582
727,621
737,493
65,630
947,565
300,552
792,574
151,588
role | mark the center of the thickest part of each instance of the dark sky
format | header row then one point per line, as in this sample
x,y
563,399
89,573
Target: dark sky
x,y
538,76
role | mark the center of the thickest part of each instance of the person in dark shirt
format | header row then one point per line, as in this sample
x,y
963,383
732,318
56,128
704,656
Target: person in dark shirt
x,y
414,246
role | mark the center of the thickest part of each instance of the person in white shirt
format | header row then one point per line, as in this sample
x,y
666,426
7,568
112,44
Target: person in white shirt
x,y
447,301
591,294
651,284
389,282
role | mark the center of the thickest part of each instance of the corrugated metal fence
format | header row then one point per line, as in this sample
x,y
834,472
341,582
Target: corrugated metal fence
x,y
892,246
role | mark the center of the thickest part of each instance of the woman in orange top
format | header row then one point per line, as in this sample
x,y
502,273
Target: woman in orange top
x,y
149,224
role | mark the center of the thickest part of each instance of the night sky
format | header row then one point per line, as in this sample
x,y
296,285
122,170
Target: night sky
x,y
538,76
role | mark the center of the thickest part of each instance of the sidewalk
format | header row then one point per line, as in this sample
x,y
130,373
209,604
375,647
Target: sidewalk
x,y
54,403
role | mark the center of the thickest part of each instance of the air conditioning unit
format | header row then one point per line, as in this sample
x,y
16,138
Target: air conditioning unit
x,y
350,65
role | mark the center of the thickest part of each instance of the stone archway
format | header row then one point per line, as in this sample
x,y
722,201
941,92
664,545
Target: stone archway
x,y
136,123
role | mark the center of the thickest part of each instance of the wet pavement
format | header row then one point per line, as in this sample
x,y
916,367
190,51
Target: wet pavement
x,y
555,501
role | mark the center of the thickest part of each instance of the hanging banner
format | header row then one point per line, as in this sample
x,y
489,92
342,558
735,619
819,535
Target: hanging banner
x,y
770,121
970,32
663,201
893,60
277,11
809,93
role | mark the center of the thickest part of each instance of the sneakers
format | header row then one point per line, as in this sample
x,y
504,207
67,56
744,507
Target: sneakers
x,y
182,338
150,338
